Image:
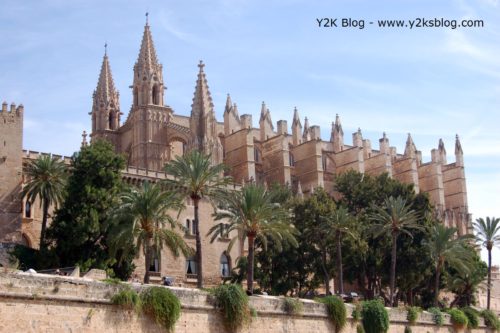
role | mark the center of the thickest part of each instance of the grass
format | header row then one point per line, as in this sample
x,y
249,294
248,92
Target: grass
x,y
292,306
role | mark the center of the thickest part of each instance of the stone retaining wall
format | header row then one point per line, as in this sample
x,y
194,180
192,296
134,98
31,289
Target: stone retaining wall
x,y
45,303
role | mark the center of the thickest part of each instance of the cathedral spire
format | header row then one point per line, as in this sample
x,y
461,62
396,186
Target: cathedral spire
x,y
232,120
296,128
410,148
459,153
106,106
147,59
306,136
337,135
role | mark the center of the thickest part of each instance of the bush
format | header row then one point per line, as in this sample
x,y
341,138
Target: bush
x,y
413,314
408,329
472,317
491,319
292,306
233,302
336,311
437,316
356,312
374,317
128,299
162,305
360,329
458,318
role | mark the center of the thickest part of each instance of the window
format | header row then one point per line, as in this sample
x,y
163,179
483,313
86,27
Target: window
x,y
256,155
156,97
291,160
225,270
188,226
191,267
27,209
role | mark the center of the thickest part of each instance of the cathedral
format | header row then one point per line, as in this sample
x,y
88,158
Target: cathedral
x,y
153,134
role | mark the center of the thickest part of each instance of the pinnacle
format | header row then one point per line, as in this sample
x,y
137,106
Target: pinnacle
x,y
105,86
147,55
202,100
296,119
458,146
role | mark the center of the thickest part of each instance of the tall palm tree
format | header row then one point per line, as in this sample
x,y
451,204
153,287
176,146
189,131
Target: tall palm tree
x,y
444,248
46,181
194,177
394,218
340,221
488,234
255,214
143,217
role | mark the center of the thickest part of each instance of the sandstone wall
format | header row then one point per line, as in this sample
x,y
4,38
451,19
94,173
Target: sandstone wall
x,y
41,303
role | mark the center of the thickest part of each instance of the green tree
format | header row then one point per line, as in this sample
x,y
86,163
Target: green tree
x,y
143,217
394,218
341,223
445,248
46,181
194,177
81,226
488,234
254,214
465,283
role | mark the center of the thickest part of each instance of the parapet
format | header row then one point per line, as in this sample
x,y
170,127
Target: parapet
x,y
18,111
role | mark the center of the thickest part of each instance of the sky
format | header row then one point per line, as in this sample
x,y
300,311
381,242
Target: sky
x,y
432,82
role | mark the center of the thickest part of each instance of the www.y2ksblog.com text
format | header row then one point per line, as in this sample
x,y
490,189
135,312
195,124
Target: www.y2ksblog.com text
x,y
416,23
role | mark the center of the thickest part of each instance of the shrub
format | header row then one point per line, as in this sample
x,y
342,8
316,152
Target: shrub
x,y
292,306
233,302
336,311
128,299
356,312
437,316
408,329
491,319
413,314
360,329
162,305
472,317
374,317
458,318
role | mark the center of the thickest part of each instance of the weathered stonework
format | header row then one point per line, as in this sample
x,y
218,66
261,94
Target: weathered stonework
x,y
41,303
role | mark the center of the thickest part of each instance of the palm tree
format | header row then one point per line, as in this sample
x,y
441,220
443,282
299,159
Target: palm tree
x,y
255,214
46,181
488,234
394,218
143,215
444,248
194,177
340,222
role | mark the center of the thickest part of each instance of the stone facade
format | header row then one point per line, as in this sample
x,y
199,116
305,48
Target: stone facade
x,y
153,134
41,303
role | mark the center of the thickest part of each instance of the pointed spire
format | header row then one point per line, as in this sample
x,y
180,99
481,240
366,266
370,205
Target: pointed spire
x,y
337,135
229,103
105,89
442,151
410,148
306,135
263,111
202,100
235,110
296,119
147,59
458,146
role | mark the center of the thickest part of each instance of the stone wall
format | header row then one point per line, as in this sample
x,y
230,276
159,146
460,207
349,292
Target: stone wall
x,y
43,303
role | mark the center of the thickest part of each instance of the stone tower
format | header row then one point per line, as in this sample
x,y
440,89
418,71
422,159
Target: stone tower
x,y
11,148
149,115
106,105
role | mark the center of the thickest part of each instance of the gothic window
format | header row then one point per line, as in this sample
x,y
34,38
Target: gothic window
x,y
191,267
27,209
156,95
110,121
291,159
324,162
225,269
257,154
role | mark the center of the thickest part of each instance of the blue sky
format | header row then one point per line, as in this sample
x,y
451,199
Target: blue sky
x,y
432,82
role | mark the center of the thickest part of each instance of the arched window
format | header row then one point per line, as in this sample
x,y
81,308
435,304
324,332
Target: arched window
x,y
225,269
291,159
27,209
191,267
256,154
324,163
111,121
188,226
156,95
